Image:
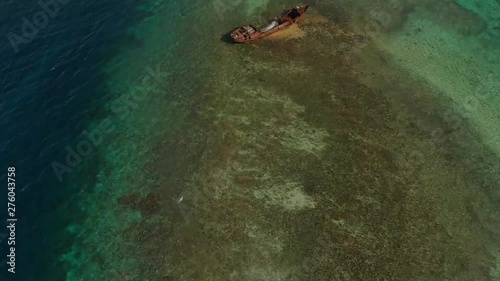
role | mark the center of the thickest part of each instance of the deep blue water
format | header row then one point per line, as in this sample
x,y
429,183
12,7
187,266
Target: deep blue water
x,y
50,90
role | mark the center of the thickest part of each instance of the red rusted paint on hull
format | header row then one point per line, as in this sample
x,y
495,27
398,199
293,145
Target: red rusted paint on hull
x,y
249,33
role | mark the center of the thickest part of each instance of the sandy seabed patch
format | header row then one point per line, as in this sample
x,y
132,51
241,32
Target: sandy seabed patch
x,y
292,32
297,175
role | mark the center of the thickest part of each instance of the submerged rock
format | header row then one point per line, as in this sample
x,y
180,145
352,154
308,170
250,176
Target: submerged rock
x,y
146,205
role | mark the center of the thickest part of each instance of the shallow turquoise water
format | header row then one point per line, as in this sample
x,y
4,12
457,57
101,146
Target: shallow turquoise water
x,y
141,97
